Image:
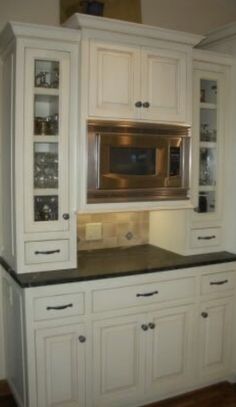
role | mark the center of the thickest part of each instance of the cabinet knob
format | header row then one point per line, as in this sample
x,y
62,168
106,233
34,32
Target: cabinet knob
x,y
204,314
146,105
144,327
82,339
138,104
152,325
66,216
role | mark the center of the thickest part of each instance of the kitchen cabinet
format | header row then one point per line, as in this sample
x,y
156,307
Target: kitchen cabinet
x,y
39,126
215,338
203,228
60,365
131,82
123,341
147,353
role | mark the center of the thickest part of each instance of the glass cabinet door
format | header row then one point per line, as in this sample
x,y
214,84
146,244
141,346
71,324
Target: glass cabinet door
x,y
46,124
208,131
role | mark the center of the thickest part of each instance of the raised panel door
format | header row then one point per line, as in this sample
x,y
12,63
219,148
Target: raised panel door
x,y
118,364
214,338
60,366
114,82
164,85
169,350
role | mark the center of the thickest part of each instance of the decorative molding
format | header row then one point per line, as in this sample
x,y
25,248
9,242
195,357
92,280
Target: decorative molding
x,y
221,33
45,32
84,21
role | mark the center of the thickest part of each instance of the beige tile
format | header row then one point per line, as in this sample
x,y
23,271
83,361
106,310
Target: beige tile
x,y
109,230
82,219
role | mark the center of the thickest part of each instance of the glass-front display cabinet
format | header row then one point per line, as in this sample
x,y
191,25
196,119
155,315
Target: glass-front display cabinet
x,y
208,143
46,165
39,139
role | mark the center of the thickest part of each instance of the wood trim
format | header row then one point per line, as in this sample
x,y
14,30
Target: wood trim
x,y
4,388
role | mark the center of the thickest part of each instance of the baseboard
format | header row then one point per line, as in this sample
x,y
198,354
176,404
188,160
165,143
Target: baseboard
x,y
4,388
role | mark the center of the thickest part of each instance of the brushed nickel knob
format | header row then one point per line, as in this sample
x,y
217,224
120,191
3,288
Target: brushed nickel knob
x,y
138,104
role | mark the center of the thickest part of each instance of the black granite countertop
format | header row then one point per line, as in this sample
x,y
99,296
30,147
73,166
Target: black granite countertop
x,y
108,263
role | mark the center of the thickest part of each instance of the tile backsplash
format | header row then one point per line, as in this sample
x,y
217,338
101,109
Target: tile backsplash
x,y
118,229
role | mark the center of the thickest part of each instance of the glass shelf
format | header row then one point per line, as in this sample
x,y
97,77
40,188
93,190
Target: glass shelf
x,y
208,146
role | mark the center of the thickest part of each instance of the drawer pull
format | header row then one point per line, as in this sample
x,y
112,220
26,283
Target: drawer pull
x,y
60,307
146,294
206,237
204,314
48,252
219,282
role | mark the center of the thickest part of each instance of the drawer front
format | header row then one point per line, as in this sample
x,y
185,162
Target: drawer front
x,y
46,251
122,297
217,282
58,306
205,237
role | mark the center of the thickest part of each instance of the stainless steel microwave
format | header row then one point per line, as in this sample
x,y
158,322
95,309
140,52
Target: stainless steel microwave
x,y
137,162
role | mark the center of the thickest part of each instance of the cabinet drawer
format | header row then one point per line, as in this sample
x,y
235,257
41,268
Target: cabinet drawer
x,y
205,237
122,297
58,306
47,251
217,282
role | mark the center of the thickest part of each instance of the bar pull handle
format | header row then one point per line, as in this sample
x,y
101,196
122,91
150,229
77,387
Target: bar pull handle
x,y
48,251
59,307
219,282
206,237
147,294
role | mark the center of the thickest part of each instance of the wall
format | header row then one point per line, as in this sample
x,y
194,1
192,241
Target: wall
x,y
31,11
197,16
118,229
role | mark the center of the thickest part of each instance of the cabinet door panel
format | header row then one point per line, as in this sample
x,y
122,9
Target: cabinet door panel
x,y
164,85
114,80
118,360
215,321
60,364
169,355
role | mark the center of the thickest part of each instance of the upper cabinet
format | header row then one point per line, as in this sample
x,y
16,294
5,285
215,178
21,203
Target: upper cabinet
x,y
131,82
133,71
39,146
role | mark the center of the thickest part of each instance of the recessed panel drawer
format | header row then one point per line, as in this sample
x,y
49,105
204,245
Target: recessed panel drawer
x,y
46,251
122,297
217,282
205,237
58,306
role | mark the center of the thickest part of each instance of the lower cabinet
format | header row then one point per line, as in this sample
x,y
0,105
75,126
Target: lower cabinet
x,y
60,365
80,345
140,356
215,331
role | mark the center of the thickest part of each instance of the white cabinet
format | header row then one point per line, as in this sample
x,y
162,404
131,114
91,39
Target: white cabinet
x,y
80,345
39,136
119,360
143,354
60,366
131,82
169,350
215,340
